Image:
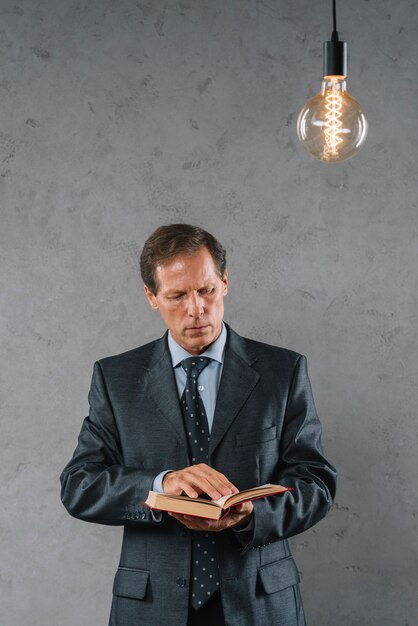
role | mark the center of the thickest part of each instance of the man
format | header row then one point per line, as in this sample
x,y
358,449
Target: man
x,y
203,412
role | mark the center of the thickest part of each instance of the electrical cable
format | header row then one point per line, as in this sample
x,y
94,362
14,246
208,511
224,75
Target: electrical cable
x,y
334,14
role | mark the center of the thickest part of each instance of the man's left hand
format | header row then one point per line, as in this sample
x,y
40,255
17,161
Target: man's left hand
x,y
238,516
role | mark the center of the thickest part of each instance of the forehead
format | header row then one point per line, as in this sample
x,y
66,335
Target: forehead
x,y
187,271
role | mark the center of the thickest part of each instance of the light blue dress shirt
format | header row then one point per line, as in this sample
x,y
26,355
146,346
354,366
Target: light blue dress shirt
x,y
209,380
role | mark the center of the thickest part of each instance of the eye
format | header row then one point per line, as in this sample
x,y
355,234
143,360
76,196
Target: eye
x,y
176,296
206,291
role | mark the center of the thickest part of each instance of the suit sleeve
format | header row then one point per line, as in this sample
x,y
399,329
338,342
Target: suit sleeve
x,y
95,485
302,466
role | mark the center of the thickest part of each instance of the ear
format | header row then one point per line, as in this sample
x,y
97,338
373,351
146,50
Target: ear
x,y
225,283
150,297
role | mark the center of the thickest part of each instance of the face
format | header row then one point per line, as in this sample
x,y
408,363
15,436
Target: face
x,y
190,298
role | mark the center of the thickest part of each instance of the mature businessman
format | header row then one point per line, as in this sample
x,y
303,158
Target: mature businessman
x,y
201,411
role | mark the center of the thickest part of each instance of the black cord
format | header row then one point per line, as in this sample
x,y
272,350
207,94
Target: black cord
x,y
334,36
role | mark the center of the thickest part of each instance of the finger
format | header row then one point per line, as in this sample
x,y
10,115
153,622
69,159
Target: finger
x,y
212,482
188,488
191,522
182,482
196,479
220,481
170,485
181,518
195,482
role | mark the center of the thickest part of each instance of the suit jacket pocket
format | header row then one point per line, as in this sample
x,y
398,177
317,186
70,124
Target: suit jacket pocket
x,y
256,436
131,583
278,575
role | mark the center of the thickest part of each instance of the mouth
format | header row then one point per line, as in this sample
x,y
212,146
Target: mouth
x,y
198,327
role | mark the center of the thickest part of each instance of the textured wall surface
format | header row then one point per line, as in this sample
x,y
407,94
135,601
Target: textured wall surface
x,y
117,116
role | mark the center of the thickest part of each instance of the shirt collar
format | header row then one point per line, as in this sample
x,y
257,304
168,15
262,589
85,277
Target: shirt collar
x,y
215,351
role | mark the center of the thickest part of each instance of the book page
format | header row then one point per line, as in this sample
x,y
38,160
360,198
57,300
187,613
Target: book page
x,y
243,495
186,498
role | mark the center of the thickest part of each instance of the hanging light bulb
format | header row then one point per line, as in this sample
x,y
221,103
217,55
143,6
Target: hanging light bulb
x,y
332,126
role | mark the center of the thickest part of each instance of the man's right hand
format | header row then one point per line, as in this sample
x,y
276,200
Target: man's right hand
x,y
198,479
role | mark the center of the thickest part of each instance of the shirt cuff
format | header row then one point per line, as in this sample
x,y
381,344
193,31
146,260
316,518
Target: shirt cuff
x,y
157,485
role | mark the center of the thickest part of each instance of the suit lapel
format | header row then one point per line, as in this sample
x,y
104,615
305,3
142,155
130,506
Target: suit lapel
x,y
237,382
159,387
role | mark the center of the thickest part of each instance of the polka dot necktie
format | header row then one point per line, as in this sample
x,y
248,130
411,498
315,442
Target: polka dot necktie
x,y
204,571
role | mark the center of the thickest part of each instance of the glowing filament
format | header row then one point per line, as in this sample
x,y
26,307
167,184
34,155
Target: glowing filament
x,y
333,124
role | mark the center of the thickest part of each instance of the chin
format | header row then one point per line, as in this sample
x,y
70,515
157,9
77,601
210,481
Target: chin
x,y
200,340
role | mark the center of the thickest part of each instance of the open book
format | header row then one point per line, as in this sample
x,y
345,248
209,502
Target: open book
x,y
211,509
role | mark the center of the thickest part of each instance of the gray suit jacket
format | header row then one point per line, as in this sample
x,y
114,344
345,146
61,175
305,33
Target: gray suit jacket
x,y
265,429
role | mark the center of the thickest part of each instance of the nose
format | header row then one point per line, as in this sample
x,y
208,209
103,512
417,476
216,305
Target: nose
x,y
195,305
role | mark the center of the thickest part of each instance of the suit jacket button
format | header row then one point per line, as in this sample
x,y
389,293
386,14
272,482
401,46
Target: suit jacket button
x,y
181,582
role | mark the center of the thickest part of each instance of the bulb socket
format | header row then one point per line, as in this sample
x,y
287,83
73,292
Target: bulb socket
x,y
335,57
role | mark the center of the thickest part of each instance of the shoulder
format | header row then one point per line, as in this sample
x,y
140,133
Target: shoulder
x,y
140,357
263,351
267,349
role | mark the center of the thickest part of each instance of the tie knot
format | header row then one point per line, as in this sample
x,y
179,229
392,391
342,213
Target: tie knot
x,y
194,365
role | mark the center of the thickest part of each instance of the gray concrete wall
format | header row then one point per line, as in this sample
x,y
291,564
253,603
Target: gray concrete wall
x,y
117,116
